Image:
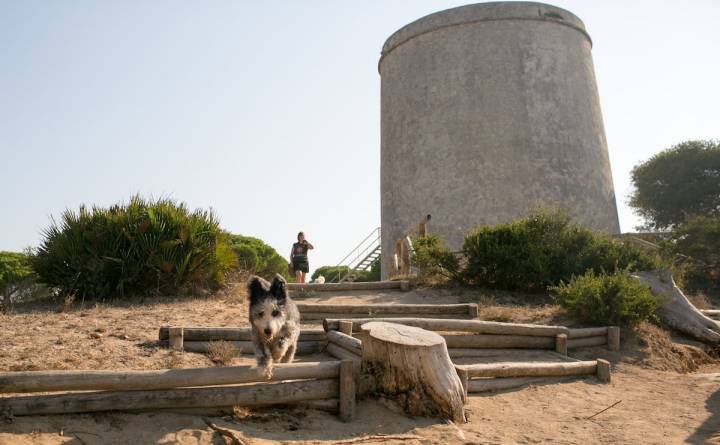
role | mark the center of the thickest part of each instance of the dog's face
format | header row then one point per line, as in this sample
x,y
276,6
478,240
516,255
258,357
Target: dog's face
x,y
267,305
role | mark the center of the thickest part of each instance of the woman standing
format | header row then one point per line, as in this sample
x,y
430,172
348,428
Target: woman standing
x,y
299,257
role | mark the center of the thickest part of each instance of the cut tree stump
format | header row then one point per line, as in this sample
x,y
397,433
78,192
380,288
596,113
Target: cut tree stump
x,y
676,310
413,366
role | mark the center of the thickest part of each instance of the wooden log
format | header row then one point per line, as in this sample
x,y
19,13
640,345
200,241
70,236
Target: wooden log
x,y
587,332
175,336
47,381
473,311
561,346
498,341
412,366
347,390
246,347
347,286
473,352
325,315
250,395
487,385
373,310
345,327
341,353
474,326
603,370
530,369
345,341
676,310
586,342
464,378
231,334
613,338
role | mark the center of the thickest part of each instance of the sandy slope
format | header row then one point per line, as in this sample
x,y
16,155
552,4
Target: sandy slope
x,y
657,407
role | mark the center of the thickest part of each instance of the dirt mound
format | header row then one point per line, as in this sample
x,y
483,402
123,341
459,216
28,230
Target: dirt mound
x,y
659,351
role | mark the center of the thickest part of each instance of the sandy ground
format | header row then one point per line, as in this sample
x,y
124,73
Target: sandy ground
x,y
656,407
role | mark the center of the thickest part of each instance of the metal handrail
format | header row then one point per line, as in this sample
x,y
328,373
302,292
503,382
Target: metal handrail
x,y
359,253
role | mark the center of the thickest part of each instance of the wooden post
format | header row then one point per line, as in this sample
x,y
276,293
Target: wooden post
x,y
561,344
474,311
412,365
463,374
347,391
345,327
603,370
176,338
613,338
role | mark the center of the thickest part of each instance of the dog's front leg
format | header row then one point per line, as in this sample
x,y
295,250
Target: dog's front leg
x,y
263,356
289,354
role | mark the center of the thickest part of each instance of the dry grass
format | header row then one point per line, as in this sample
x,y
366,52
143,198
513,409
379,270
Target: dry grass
x,y
222,352
658,351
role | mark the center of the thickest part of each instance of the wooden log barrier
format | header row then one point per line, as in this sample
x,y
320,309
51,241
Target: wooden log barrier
x,y
346,310
231,334
498,341
348,286
249,395
412,366
247,347
586,342
587,332
445,325
345,341
48,381
530,369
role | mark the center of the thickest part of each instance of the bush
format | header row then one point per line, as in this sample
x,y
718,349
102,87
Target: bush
x,y
16,277
370,275
256,257
139,247
533,253
331,273
615,299
434,259
696,245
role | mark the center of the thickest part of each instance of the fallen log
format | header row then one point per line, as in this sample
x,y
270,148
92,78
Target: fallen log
x,y
48,381
250,395
246,347
231,334
530,369
498,341
412,366
676,310
586,342
474,326
345,341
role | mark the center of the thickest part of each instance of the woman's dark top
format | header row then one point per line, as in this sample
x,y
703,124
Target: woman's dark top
x,y
300,251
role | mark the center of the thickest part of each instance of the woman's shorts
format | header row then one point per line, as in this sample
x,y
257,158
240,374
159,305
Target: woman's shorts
x,y
301,266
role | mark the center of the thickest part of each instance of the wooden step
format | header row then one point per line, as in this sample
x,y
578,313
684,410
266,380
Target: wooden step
x,y
334,287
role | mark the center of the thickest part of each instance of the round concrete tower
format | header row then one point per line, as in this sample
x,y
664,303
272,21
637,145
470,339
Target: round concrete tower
x,y
489,110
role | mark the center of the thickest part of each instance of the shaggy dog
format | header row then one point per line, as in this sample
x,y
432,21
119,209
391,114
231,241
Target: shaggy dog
x,y
275,322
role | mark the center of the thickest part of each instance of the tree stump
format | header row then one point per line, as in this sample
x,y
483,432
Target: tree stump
x,y
412,365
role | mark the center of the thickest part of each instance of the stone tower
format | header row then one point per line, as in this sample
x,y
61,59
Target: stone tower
x,y
489,110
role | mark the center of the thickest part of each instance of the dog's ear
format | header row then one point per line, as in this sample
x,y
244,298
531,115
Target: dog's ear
x,y
279,288
256,288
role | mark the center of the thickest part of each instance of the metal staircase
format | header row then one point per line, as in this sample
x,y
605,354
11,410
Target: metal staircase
x,y
361,257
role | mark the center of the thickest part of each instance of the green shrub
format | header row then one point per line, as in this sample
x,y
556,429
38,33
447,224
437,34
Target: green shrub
x,y
434,259
139,247
533,253
615,299
257,257
331,273
16,277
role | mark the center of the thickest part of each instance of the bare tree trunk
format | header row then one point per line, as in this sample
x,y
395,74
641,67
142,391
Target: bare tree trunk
x,y
676,310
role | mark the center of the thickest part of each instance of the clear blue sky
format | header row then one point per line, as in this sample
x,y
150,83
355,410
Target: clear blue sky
x,y
269,112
